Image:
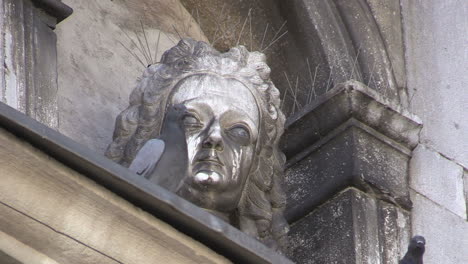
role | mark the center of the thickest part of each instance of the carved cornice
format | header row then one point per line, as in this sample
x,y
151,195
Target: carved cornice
x,y
54,8
348,100
349,137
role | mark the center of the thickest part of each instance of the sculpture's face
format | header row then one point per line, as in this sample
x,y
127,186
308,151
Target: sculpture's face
x,y
221,126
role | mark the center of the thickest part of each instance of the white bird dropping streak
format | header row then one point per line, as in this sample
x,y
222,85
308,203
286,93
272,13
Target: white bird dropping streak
x,y
207,177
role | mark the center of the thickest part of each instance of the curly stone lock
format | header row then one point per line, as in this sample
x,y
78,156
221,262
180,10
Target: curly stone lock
x,y
260,210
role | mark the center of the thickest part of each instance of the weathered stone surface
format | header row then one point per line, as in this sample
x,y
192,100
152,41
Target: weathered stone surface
x,y
435,49
96,73
394,232
351,136
45,78
350,100
465,179
387,14
7,259
322,35
318,176
28,78
371,52
12,91
439,179
320,237
55,8
354,155
446,233
435,44
347,40
350,228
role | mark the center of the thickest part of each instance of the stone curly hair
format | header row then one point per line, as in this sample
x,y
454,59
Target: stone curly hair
x,y
260,210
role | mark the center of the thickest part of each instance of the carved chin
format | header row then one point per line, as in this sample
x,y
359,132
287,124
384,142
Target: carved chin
x,y
206,178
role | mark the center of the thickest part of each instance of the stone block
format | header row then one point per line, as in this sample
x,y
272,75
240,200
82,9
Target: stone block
x,y
351,99
434,35
352,155
387,15
319,237
465,179
439,179
353,227
394,232
446,233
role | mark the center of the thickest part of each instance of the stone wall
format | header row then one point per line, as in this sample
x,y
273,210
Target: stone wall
x,y
96,68
436,59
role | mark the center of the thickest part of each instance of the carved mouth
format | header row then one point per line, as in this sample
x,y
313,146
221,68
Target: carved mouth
x,y
211,162
204,157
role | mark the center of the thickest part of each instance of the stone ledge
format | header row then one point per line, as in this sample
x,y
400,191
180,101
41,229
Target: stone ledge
x,y
71,219
351,99
351,155
438,179
168,207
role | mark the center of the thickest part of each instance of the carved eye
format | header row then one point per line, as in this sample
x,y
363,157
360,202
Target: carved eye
x,y
191,122
239,134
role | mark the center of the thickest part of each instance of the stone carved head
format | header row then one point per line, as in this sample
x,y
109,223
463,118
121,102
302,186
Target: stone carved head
x,y
233,126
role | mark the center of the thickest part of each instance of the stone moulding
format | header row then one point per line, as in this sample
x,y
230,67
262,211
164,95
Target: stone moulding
x,y
351,99
351,145
168,207
54,8
350,136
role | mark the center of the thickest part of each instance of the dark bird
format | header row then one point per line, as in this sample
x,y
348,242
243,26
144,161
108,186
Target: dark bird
x,y
164,160
415,252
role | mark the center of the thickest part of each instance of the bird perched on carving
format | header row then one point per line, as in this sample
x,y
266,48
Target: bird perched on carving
x,y
163,160
415,252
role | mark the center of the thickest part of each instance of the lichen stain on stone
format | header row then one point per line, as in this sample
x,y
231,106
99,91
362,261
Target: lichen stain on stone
x,y
297,177
337,211
11,83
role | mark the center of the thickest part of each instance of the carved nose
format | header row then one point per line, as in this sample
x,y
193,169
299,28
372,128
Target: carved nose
x,y
214,140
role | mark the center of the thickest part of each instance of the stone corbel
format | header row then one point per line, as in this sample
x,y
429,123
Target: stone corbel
x,y
350,150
